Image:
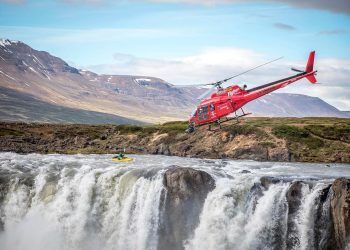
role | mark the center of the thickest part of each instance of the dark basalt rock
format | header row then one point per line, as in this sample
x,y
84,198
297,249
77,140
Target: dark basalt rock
x,y
293,196
340,213
266,181
256,192
187,189
323,223
184,183
245,172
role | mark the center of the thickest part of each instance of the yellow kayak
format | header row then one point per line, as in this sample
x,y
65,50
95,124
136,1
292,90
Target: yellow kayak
x,y
125,159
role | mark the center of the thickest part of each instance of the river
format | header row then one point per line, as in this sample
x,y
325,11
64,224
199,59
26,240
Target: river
x,y
90,202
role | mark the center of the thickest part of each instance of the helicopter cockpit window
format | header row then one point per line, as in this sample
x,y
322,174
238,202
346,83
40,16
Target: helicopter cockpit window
x,y
203,110
212,107
203,113
194,113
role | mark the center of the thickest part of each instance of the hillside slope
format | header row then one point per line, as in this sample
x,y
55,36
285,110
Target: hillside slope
x,y
52,80
17,106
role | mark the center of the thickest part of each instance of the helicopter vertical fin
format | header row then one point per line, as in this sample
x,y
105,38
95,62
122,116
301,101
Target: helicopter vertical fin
x,y
310,67
310,62
311,78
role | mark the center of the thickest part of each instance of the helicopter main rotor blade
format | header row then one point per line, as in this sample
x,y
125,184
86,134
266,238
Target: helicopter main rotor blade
x,y
225,80
188,85
206,93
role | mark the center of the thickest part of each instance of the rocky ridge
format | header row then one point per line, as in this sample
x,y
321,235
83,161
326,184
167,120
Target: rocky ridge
x,y
307,140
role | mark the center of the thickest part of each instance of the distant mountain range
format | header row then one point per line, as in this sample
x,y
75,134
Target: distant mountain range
x,y
36,86
18,106
293,105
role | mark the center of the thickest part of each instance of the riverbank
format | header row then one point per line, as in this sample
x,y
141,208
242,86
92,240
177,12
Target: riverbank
x,y
262,139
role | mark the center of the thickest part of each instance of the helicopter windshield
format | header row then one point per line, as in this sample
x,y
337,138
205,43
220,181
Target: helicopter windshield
x,y
194,113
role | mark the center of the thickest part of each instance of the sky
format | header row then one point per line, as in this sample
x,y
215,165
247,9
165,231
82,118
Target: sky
x,y
193,41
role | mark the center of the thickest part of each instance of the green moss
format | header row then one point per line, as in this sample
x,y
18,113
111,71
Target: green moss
x,y
296,135
339,132
81,151
267,144
6,131
290,132
92,132
173,127
129,129
246,129
169,127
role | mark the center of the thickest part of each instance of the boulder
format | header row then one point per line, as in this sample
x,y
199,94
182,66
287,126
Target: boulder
x,y
266,181
187,189
293,196
244,171
323,221
340,213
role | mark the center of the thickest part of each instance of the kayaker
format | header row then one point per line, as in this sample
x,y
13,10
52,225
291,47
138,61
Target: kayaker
x,y
120,156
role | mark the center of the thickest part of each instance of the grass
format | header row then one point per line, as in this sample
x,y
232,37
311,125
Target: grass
x,y
246,129
340,132
169,127
267,144
296,135
129,129
290,132
275,121
307,139
6,131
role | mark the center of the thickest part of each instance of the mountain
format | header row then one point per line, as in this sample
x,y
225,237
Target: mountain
x,y
292,105
33,78
52,80
18,106
346,113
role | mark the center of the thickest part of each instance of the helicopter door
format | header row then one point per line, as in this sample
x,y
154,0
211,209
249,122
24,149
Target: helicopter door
x,y
203,113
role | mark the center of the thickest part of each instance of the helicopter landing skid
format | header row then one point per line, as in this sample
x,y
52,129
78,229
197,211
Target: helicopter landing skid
x,y
219,122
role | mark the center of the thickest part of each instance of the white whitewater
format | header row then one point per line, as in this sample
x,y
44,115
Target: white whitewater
x,y
89,202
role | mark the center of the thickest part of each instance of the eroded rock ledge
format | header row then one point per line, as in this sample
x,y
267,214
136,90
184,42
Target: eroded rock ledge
x,y
332,211
340,212
187,189
260,139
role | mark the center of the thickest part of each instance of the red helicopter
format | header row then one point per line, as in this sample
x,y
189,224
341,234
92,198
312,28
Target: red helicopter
x,y
216,108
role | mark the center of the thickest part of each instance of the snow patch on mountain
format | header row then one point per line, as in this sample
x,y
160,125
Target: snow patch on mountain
x,y
7,75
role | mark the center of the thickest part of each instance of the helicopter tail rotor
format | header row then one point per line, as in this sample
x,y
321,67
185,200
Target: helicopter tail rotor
x,y
297,70
309,69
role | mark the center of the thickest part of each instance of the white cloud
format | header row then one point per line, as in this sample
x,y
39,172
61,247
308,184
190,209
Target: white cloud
x,y
214,64
210,65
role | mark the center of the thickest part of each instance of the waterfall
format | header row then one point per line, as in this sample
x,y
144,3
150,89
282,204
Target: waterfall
x,y
83,208
88,202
